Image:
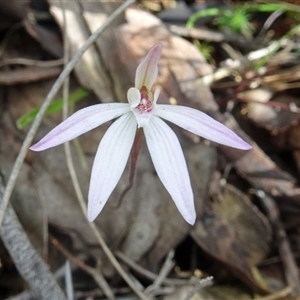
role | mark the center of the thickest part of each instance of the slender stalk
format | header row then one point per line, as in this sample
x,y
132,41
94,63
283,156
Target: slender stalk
x,y
134,155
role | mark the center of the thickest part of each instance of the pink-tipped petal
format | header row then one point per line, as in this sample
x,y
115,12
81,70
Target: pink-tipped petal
x,y
201,124
147,70
110,162
80,122
170,165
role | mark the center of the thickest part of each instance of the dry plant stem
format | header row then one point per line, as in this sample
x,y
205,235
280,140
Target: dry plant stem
x,y
27,260
44,224
164,272
69,281
98,277
198,285
82,158
116,264
271,19
31,133
148,274
91,271
68,271
240,63
209,35
31,62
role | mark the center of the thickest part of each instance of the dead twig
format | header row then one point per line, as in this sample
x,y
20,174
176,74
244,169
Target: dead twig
x,y
98,277
31,62
69,281
198,284
271,19
146,273
241,63
116,264
164,272
210,35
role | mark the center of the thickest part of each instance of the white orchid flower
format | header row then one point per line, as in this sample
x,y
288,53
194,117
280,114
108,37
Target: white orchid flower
x,y
141,111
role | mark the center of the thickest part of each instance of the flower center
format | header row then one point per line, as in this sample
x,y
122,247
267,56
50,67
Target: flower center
x,y
146,104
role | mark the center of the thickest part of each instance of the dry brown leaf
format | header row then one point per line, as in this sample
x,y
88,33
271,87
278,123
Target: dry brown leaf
x,y
235,233
90,70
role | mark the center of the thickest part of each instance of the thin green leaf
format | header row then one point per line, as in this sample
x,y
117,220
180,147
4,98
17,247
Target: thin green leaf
x,y
270,7
57,105
200,14
266,7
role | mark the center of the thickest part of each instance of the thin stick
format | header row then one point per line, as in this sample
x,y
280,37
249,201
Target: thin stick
x,y
69,281
148,274
134,155
98,277
32,131
116,264
68,274
31,62
164,272
197,285
110,255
